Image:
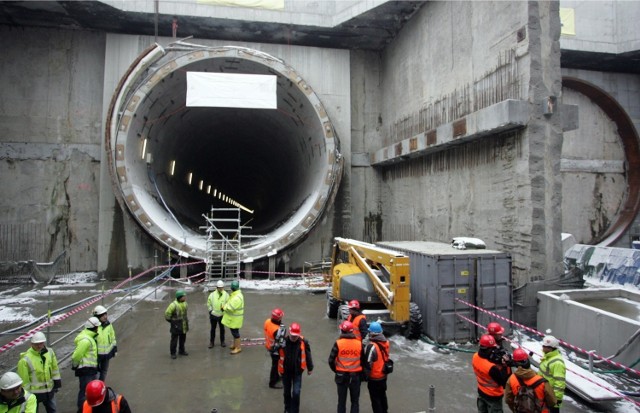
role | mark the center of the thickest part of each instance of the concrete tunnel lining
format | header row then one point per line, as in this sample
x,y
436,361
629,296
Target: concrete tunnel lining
x,y
284,164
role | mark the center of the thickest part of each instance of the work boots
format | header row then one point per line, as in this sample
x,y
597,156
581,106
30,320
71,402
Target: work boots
x,y
211,344
235,349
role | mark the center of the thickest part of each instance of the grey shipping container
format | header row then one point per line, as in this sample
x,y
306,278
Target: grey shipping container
x,y
442,277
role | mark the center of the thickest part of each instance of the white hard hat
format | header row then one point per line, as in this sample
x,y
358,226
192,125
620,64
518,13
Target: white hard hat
x,y
99,311
10,380
220,284
38,338
550,341
92,323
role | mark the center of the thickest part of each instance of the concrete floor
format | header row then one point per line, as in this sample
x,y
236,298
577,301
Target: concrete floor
x,y
212,378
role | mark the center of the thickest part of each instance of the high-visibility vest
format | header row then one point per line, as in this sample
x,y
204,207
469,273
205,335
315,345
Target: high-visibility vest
x,y
177,311
349,353
90,356
356,323
115,405
270,329
486,383
234,310
215,301
106,339
303,357
553,369
539,390
38,371
382,350
28,405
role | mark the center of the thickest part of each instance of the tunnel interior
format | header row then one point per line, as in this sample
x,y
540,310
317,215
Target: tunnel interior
x,y
180,162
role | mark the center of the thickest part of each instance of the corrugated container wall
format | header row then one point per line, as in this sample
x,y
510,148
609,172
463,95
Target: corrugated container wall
x,y
444,279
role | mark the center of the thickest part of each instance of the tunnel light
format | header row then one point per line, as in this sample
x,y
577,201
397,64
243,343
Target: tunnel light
x,y
144,149
215,192
172,167
208,189
201,184
189,178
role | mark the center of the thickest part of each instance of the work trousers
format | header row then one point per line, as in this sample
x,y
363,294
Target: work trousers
x,y
274,377
83,381
292,386
175,338
351,384
48,400
215,322
235,332
378,395
489,406
103,367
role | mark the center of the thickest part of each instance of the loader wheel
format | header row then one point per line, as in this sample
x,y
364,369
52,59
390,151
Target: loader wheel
x,y
414,329
332,306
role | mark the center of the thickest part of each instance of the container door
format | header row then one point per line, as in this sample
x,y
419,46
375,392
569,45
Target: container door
x,y
493,292
456,280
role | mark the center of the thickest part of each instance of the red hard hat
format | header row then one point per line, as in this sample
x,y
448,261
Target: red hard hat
x,y
95,392
520,355
354,304
495,328
294,329
346,326
277,314
487,340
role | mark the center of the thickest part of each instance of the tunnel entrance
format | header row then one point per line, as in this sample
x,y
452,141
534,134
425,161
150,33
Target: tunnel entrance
x,y
171,163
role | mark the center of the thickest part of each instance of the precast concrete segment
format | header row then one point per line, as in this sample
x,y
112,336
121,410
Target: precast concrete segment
x,y
170,164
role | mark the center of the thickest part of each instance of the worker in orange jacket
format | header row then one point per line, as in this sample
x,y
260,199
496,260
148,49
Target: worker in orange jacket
x,y
358,319
491,376
524,374
347,360
295,358
274,337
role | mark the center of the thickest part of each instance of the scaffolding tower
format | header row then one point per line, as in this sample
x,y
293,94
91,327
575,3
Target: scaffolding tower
x,y
224,240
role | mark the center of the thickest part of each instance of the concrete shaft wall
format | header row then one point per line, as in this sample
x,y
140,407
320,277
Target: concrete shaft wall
x,y
447,62
51,135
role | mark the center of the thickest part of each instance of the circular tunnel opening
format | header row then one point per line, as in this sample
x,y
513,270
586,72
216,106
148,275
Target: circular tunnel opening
x,y
172,164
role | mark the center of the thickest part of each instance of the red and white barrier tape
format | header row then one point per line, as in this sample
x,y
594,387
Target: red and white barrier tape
x,y
532,330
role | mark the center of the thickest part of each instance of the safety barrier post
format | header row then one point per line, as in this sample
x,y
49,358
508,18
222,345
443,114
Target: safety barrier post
x,y
49,318
155,272
130,290
432,398
591,360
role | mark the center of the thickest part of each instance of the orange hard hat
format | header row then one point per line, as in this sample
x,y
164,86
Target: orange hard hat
x,y
495,328
487,340
96,392
277,314
354,304
520,355
294,329
346,327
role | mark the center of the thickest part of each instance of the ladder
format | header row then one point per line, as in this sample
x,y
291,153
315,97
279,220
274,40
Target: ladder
x,y
224,239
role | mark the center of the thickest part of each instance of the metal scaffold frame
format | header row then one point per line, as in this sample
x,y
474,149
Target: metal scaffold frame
x,y
224,240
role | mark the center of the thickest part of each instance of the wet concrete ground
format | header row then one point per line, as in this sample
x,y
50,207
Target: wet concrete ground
x,y
212,378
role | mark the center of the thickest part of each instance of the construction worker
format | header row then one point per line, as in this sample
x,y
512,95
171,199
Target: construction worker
x,y
272,327
234,314
215,301
294,359
84,360
491,376
553,369
176,314
377,353
102,399
524,374
107,345
38,369
346,360
358,319
501,355
13,398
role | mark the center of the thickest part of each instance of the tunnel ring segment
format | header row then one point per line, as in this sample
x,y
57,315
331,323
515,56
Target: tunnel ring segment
x,y
136,193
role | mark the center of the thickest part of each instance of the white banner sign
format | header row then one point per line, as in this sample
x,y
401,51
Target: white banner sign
x,y
231,90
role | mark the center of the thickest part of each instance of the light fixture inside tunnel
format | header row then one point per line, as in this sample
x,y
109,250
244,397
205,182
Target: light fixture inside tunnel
x,y
281,166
